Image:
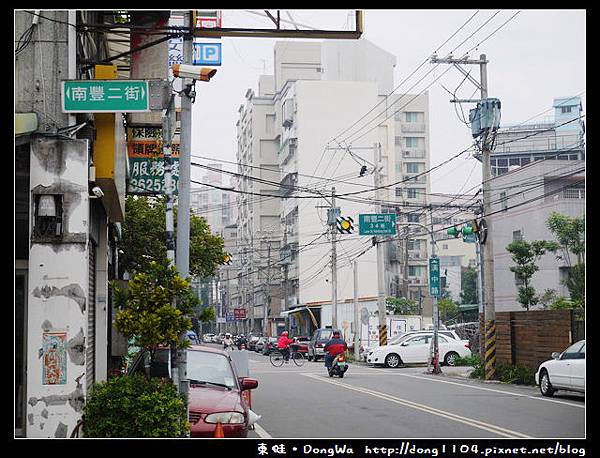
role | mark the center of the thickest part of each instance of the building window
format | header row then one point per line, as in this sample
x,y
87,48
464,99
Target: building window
x,y
414,271
412,142
398,192
411,116
398,168
412,167
444,246
565,110
517,236
413,218
413,193
504,201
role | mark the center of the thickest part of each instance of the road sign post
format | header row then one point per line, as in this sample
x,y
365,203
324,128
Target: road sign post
x,y
377,224
105,96
434,277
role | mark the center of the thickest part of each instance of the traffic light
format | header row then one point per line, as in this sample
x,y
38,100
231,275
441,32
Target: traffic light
x,y
227,259
345,225
454,231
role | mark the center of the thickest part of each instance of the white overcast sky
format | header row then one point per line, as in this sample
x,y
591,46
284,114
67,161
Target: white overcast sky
x,y
537,56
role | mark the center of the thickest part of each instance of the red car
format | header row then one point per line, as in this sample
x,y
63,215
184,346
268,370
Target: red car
x,y
215,391
301,344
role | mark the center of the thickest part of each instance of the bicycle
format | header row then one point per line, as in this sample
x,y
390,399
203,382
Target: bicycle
x,y
277,358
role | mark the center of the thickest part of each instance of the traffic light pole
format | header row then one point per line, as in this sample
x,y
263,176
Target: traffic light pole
x,y
380,253
334,299
488,248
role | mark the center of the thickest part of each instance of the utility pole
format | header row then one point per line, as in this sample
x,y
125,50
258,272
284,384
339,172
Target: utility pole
x,y
480,292
357,326
380,252
267,293
488,249
405,268
332,223
436,313
286,265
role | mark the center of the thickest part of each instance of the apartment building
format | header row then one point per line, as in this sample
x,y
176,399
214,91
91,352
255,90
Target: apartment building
x,y
317,91
522,201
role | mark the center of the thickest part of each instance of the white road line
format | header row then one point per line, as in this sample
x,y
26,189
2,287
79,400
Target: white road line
x,y
261,432
468,385
440,413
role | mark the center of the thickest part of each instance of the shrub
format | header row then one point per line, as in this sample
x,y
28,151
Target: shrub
x,y
134,406
471,360
518,375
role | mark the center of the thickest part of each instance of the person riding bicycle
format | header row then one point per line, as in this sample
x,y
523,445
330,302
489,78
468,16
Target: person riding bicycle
x,y
283,345
227,341
335,346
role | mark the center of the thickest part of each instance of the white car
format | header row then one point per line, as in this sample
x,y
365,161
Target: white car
x,y
400,337
565,371
416,349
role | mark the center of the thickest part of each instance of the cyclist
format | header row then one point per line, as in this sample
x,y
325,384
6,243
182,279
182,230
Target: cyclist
x,y
335,346
283,345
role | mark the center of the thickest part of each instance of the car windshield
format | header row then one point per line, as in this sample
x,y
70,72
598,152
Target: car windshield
x,y
203,366
326,335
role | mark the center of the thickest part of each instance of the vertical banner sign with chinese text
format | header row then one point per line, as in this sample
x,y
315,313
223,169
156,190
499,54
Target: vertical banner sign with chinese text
x,y
146,161
434,277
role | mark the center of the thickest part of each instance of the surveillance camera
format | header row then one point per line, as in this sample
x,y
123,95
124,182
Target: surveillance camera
x,y
193,71
97,191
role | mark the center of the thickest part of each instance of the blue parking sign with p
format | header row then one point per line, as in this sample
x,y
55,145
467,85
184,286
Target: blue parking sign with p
x,y
207,54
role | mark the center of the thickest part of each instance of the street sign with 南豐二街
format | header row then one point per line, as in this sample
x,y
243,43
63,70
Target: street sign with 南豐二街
x,y
105,96
377,224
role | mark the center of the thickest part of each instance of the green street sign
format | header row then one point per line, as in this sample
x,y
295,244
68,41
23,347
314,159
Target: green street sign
x,y
105,96
377,224
434,277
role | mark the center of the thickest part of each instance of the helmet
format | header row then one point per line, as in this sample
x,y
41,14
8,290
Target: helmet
x,y
284,333
227,334
336,333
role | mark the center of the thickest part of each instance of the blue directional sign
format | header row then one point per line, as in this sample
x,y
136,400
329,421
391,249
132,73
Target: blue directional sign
x,y
207,54
434,277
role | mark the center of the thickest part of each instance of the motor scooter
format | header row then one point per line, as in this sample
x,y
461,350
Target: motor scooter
x,y
339,366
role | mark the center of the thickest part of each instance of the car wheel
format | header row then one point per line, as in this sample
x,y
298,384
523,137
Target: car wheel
x,y
450,359
393,360
545,385
310,358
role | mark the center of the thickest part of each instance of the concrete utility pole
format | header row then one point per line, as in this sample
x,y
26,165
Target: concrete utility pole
x,y
380,253
357,327
267,294
480,293
488,249
334,299
436,312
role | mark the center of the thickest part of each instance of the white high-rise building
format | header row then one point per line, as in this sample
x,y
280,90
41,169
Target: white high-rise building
x,y
308,110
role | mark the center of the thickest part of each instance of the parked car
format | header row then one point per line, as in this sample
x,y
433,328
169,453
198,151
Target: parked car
x,y
400,337
219,338
416,349
215,389
269,345
301,344
565,371
317,343
252,342
207,338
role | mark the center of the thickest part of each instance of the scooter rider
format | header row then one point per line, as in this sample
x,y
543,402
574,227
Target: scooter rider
x,y
334,347
227,341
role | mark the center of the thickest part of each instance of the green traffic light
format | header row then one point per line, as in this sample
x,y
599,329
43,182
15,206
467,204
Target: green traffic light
x,y
453,231
467,230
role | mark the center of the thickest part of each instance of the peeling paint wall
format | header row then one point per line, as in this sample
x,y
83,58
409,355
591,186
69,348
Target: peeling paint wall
x,y
58,292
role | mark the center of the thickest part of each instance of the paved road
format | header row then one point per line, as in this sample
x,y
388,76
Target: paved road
x,y
389,403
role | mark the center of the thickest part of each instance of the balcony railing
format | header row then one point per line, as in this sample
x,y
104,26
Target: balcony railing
x,y
412,127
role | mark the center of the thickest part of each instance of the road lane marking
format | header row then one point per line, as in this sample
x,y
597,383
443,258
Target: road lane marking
x,y
261,432
467,385
424,408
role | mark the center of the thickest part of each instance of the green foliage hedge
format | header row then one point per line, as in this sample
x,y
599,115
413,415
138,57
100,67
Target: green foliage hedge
x,y
134,406
506,373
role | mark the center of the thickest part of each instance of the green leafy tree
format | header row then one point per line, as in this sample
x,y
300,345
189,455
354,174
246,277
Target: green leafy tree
x,y
448,309
143,238
570,234
146,308
401,306
526,254
468,285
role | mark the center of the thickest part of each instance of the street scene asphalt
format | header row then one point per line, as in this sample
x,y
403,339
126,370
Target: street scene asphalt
x,y
375,402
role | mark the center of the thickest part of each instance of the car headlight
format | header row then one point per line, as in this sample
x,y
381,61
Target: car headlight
x,y
225,417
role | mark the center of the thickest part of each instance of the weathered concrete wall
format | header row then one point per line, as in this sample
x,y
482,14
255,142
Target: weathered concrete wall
x,y
58,293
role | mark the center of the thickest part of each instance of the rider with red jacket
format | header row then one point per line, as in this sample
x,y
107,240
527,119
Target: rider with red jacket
x,y
283,345
334,347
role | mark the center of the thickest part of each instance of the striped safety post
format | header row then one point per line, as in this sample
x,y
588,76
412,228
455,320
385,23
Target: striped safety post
x,y
490,349
382,334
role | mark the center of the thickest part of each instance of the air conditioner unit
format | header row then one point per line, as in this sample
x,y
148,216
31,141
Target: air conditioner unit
x,y
288,113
